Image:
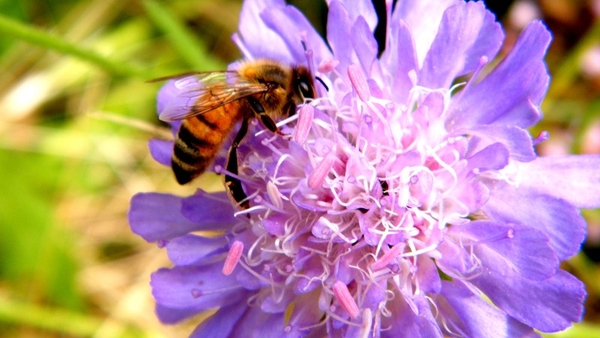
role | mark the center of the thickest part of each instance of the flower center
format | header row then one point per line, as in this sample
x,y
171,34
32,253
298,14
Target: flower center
x,y
360,194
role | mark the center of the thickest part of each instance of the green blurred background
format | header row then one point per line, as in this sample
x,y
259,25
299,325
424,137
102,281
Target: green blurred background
x,y
75,116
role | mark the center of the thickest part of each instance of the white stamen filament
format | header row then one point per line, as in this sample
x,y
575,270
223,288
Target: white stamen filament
x,y
278,124
274,195
416,253
387,257
367,321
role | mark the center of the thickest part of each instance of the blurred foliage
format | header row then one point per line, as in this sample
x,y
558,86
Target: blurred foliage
x,y
76,112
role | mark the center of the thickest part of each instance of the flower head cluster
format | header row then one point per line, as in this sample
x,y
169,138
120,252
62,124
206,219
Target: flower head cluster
x,y
409,201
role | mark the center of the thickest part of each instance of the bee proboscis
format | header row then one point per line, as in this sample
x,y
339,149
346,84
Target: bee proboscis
x,y
217,101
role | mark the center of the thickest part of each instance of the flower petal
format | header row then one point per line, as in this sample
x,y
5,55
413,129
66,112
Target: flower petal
x,y
362,8
424,28
364,44
492,157
549,305
508,245
468,195
409,321
517,140
254,32
398,59
156,217
573,178
165,94
190,249
212,211
164,97
428,275
195,287
559,220
161,151
338,34
467,315
303,316
466,33
349,24
512,92
255,323
169,315
221,323
294,29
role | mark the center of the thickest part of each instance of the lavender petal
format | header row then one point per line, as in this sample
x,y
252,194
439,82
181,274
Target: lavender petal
x,y
294,29
364,44
508,245
169,315
192,249
155,217
195,287
466,33
364,9
572,178
468,315
260,324
512,92
222,323
161,151
549,305
399,59
559,220
213,211
424,28
254,32
404,322
338,34
517,140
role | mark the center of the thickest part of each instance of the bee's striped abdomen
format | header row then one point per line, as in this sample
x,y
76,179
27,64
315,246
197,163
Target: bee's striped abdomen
x,y
195,148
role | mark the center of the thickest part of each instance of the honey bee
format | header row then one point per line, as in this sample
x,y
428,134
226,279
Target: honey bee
x,y
263,89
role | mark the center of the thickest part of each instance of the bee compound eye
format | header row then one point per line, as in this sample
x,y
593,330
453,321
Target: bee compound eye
x,y
305,90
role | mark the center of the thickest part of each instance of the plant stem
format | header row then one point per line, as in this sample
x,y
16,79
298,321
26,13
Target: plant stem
x,y
49,41
189,47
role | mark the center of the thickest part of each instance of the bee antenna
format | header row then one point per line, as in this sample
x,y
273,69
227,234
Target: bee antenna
x,y
303,44
323,83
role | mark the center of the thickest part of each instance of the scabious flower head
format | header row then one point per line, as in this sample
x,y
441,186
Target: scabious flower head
x,y
409,201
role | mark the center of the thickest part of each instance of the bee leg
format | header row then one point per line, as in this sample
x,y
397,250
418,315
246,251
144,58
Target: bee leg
x,y
233,184
260,113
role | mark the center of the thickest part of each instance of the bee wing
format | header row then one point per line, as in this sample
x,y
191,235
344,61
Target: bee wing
x,y
196,94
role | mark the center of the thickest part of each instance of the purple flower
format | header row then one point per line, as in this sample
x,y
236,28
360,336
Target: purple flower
x,y
406,204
